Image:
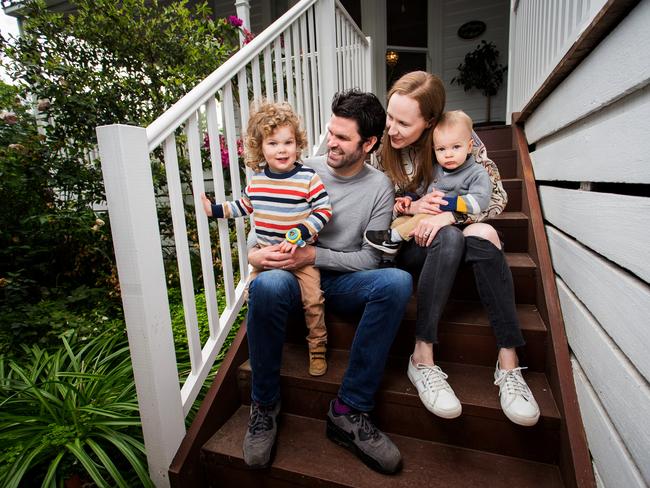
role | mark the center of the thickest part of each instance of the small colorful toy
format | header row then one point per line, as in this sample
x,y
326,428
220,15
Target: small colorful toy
x,y
295,237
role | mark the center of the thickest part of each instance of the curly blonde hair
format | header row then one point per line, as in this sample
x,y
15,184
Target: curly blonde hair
x,y
264,120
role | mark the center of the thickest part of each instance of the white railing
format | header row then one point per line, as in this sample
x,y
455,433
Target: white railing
x,y
308,54
541,33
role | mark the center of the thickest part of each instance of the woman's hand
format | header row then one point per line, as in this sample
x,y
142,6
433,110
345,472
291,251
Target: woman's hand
x,y
271,257
428,204
426,229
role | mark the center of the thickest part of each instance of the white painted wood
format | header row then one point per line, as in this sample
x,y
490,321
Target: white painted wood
x,y
313,66
288,55
235,181
454,14
614,466
616,226
618,66
373,19
297,57
306,82
619,301
605,147
597,477
257,79
268,73
279,74
167,123
339,53
325,29
131,202
544,43
205,251
182,250
220,196
623,392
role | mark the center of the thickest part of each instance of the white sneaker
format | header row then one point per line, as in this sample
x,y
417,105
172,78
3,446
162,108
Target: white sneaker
x,y
434,391
517,401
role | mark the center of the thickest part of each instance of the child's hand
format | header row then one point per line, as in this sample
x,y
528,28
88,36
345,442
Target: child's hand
x,y
286,246
207,205
402,204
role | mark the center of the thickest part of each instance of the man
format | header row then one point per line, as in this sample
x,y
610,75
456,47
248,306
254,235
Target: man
x,y
362,199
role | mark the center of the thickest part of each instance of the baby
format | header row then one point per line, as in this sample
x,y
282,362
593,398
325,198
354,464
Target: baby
x,y
466,185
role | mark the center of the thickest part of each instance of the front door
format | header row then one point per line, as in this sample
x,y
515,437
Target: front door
x,y
406,38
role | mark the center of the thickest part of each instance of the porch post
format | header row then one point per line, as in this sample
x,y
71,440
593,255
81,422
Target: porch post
x,y
131,203
242,7
327,69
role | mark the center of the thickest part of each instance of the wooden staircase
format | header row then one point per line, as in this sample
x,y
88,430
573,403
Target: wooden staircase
x,y
480,448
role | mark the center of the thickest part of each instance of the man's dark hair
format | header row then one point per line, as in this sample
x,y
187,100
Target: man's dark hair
x,y
363,107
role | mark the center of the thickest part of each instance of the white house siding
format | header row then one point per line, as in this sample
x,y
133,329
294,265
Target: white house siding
x,y
455,13
590,159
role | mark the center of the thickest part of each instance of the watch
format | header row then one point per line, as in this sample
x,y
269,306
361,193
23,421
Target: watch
x,y
294,236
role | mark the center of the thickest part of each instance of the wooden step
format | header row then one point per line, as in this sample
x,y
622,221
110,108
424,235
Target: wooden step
x,y
513,227
465,334
305,457
482,425
506,161
495,138
523,271
513,187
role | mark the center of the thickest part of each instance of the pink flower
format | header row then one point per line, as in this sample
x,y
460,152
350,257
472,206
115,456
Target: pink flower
x,y
235,21
248,35
225,155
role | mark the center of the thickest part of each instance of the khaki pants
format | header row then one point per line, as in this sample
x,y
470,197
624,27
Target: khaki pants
x,y
312,302
406,223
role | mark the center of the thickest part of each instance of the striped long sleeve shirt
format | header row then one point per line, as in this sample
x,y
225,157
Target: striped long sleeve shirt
x,y
278,202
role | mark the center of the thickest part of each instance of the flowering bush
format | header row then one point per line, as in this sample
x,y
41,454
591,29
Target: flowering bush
x,y
85,70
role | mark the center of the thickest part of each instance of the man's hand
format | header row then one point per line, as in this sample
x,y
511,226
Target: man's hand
x,y
207,205
428,204
427,228
402,205
271,257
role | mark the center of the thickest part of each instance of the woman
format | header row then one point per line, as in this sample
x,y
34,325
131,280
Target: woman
x,y
444,241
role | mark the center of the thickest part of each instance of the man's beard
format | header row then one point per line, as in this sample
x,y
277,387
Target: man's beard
x,y
346,161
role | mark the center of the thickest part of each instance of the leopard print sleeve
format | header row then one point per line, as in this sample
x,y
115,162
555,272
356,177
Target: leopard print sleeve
x,y
499,197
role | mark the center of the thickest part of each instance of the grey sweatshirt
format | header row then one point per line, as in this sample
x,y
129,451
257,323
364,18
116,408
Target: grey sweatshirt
x,y
359,203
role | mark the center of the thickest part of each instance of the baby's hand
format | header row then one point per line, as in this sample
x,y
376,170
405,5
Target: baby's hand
x,y
207,205
286,246
402,204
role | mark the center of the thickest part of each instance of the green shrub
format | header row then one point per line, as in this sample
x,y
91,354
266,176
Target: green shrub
x,y
71,411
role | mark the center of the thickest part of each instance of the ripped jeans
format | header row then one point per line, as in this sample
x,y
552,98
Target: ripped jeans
x,y
438,265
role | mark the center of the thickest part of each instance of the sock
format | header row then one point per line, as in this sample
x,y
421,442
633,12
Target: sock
x,y
341,408
395,237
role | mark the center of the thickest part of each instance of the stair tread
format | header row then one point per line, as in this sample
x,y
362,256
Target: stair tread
x,y
467,312
304,454
472,384
510,216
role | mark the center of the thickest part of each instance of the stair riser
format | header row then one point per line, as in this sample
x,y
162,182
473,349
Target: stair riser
x,y
506,161
513,189
222,473
477,428
458,343
496,139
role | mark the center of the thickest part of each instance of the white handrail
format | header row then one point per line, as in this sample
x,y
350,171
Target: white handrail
x,y
164,125
541,33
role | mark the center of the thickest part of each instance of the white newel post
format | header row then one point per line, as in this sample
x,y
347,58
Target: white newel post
x,y
242,7
326,41
131,202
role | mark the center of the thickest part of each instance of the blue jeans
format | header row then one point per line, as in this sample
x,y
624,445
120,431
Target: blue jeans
x,y
380,295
